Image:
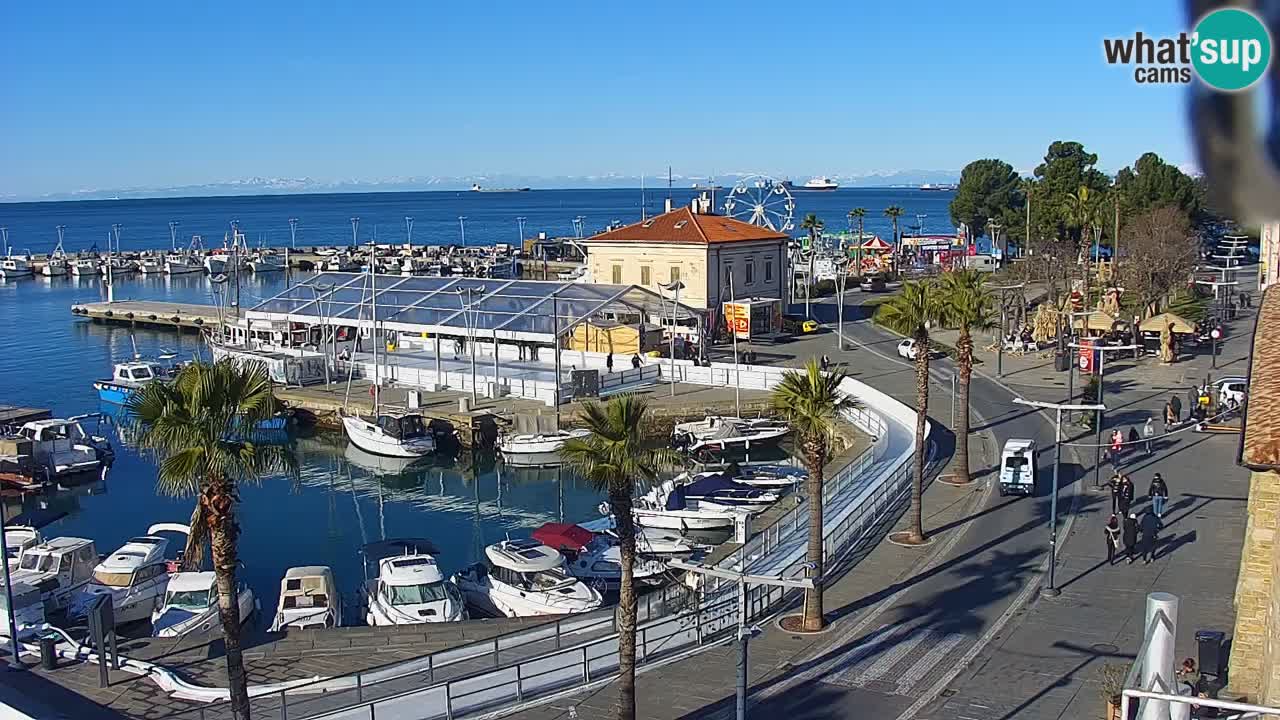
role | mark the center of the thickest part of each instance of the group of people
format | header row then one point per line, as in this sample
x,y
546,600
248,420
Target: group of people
x,y
1146,439
1129,536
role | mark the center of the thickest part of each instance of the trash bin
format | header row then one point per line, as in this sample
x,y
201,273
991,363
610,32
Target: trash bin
x,y
1209,648
49,652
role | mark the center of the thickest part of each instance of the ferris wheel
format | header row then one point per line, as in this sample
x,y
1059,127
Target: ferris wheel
x,y
762,201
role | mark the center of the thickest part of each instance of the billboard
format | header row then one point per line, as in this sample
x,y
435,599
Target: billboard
x,y
737,318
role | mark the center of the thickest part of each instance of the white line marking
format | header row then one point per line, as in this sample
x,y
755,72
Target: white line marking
x,y
908,680
884,664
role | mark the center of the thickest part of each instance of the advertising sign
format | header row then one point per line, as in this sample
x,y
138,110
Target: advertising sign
x,y
1086,361
737,317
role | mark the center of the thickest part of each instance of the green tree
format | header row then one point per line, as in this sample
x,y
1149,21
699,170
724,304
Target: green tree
x,y
967,305
199,426
859,214
988,190
893,212
810,401
1066,167
1082,212
910,313
615,460
1152,183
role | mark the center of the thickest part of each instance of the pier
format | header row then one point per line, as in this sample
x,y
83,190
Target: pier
x,y
151,313
17,416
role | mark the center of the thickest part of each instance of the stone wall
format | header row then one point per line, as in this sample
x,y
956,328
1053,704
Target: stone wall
x,y
1255,646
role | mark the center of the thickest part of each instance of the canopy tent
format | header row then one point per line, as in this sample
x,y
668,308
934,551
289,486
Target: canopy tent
x,y
1097,320
877,245
564,536
521,310
1157,323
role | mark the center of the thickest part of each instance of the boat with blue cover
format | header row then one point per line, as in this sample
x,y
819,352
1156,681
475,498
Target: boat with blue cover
x,y
128,377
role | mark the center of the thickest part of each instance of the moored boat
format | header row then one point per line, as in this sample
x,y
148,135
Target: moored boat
x,y
135,576
723,432
309,598
191,605
524,578
403,435
58,568
13,267
61,447
539,442
596,558
406,586
126,378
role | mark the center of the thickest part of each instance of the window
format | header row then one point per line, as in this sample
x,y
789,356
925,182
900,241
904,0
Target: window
x,y
416,594
617,274
113,579
675,273
646,275
190,599
751,272
768,271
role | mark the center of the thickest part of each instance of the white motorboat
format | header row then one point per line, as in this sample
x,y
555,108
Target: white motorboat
x,y
721,489
62,447
649,540
264,261
408,587
191,605
150,264
182,264
309,598
13,267
719,431
85,266
776,477
16,539
341,262
392,434
524,578
58,568
135,576
662,507
128,377
539,442
597,559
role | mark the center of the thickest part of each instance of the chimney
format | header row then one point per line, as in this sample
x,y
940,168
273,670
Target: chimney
x,y
668,205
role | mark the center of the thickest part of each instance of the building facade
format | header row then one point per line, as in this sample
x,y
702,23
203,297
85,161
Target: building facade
x,y
705,252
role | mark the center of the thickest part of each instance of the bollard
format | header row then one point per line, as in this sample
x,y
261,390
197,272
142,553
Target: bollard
x,y
49,652
1157,666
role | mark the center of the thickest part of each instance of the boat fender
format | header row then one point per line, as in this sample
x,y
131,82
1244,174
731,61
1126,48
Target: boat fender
x,y
109,313
199,321
151,316
129,315
176,319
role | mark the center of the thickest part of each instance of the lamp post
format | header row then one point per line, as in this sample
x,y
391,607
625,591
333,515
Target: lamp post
x,y
468,318
293,233
842,276
173,235
355,229
1097,430
520,227
1051,590
462,228
674,286
744,631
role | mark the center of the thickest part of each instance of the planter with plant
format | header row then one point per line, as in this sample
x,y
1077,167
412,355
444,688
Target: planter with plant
x,y
1111,677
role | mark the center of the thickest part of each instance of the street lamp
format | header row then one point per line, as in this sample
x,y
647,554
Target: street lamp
x,y
468,319
841,263
462,226
744,632
408,232
674,286
1097,431
1051,590
293,233
355,229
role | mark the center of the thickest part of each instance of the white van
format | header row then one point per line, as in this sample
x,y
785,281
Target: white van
x,y
1018,468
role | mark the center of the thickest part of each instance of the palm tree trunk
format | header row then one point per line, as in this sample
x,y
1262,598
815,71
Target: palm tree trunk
x,y
814,456
620,505
965,349
922,411
219,498
197,540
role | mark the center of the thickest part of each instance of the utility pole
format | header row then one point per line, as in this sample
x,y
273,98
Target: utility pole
x,y
462,227
744,630
1051,589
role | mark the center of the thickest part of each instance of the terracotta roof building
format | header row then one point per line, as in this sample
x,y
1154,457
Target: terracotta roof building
x,y
699,249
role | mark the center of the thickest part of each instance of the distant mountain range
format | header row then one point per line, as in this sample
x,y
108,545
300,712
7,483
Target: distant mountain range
x,y
285,186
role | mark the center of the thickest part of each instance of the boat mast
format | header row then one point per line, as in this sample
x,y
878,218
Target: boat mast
x,y
373,304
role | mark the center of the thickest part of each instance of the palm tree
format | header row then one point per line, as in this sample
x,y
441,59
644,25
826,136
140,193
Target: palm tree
x,y
814,225
859,214
810,401
911,313
967,305
1082,212
614,459
893,212
199,426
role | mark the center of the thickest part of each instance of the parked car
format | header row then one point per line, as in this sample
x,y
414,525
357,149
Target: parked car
x,y
907,349
872,283
799,325
1232,388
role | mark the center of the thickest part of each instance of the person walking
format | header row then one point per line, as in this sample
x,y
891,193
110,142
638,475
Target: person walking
x,y
1125,492
1117,443
635,361
1129,535
1114,484
1134,438
608,363
826,362
1170,417
1175,404
1159,494
1112,533
1150,526
1148,432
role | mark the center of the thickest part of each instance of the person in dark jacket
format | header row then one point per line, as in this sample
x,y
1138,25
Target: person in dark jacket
x,y
1129,534
1176,404
1124,495
1150,526
608,362
1159,494
635,361
1112,532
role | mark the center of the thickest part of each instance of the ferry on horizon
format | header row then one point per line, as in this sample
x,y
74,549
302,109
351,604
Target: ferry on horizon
x,y
817,183
937,188
475,187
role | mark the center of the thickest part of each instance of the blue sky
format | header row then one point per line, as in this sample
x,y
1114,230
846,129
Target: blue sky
x,y
115,95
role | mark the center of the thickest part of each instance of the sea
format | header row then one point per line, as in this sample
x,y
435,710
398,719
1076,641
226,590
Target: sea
x,y
341,499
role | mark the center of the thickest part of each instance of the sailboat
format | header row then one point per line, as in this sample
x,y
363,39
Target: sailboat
x,y
390,433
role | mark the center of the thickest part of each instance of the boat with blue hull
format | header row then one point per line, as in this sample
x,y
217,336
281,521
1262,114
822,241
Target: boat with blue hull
x,y
126,378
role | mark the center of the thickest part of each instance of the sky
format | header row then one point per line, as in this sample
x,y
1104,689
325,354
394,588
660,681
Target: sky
x,y
143,94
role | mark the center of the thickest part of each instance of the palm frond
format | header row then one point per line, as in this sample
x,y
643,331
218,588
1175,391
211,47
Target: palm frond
x,y
966,302
810,400
614,457
911,312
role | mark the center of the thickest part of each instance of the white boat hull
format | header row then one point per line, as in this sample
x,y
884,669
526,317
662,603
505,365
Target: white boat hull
x,y
53,270
684,519
175,622
181,268
538,444
370,438
502,602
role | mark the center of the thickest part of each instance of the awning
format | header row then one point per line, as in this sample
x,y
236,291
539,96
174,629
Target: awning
x,y
1098,320
563,536
1157,323
877,244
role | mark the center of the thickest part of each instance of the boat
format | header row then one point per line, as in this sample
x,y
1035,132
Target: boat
x,y
150,264
723,432
28,611
58,568
341,262
649,540
62,447
135,576
56,264
309,598
767,476
393,434
524,578
85,266
16,539
664,507
127,377
475,187
406,586
118,265
819,183
539,442
266,262
220,262
596,558
191,605
13,267
719,490
937,188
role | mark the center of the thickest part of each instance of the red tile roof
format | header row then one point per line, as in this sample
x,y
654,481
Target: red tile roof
x,y
684,226
1261,447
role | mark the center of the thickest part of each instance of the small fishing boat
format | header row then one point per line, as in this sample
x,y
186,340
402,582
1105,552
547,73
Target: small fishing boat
x,y
16,539
85,266
13,267
182,264
539,442
191,605
119,265
126,378
524,578
724,432
406,586
404,435
151,264
341,262
58,568
309,598
666,507
597,559
135,576
56,264
62,447
264,261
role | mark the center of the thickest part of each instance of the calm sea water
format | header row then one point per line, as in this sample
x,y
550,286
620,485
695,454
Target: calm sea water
x,y
49,359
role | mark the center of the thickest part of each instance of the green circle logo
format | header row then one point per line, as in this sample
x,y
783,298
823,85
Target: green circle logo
x,y
1232,49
